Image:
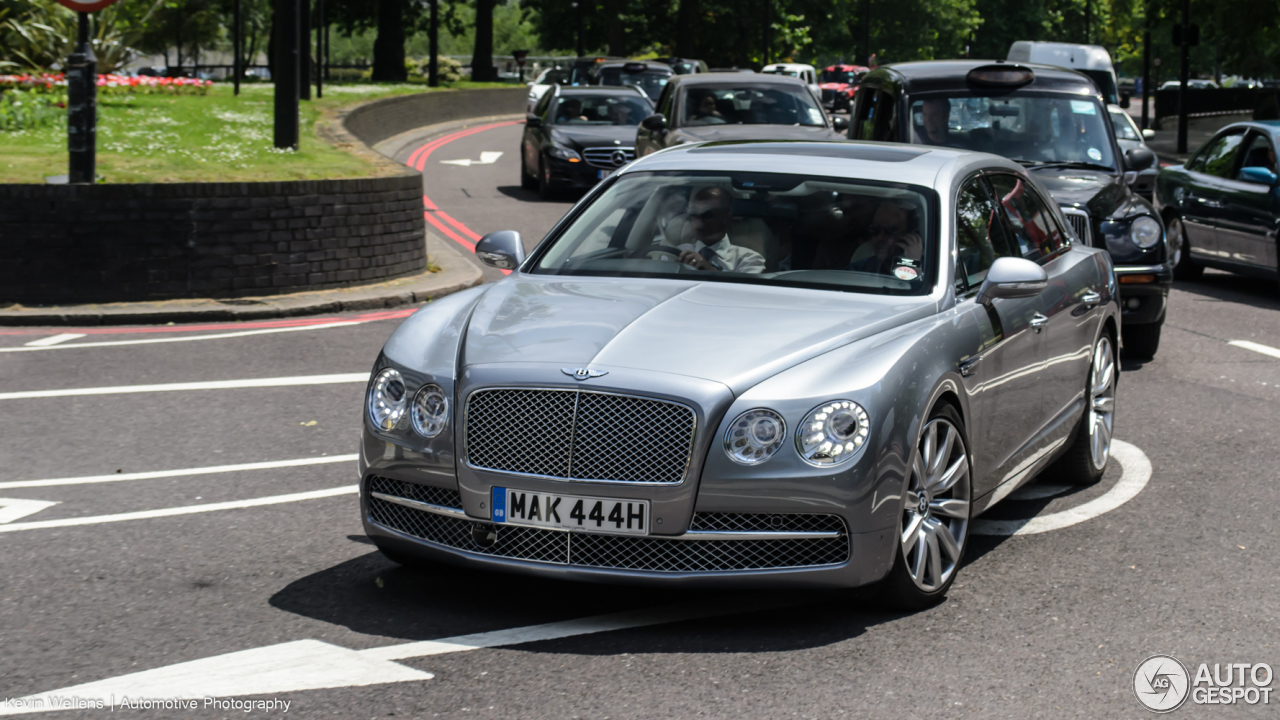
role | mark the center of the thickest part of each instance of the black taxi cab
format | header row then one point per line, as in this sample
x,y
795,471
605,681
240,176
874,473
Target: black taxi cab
x,y
1054,122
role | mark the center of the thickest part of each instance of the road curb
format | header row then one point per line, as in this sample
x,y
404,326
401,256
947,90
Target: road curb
x,y
455,274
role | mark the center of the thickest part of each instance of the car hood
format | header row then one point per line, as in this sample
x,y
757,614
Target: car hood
x,y
595,136
710,133
735,334
833,86
1101,193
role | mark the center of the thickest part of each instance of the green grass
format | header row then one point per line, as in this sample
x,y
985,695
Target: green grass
x,y
216,137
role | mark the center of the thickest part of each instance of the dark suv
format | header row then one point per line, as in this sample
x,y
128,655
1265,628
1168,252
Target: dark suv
x,y
1054,122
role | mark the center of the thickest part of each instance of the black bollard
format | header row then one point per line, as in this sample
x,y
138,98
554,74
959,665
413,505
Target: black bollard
x,y
82,107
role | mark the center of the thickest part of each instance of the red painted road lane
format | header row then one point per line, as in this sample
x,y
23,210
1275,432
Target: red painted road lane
x,y
265,324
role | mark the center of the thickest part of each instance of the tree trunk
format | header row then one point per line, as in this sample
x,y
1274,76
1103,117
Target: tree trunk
x,y
482,69
388,48
304,49
686,38
616,30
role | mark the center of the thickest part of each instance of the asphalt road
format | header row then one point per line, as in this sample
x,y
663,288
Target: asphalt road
x,y
1043,625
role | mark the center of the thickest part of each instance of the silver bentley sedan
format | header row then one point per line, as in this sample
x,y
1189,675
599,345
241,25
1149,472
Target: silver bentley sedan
x,y
753,363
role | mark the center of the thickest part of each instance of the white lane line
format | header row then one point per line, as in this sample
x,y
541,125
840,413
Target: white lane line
x,y
315,665
1256,347
186,338
211,470
178,387
1136,472
185,510
53,340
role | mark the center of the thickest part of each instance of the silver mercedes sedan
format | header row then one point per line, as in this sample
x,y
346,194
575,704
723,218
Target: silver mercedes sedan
x,y
752,363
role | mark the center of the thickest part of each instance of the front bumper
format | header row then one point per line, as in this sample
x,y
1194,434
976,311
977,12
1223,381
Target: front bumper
x,y
580,175
1143,303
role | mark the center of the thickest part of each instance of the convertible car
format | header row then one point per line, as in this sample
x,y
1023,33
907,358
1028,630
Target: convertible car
x,y
750,363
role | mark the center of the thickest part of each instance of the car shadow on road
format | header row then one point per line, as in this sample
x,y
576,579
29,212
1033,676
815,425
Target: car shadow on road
x,y
516,192
1229,287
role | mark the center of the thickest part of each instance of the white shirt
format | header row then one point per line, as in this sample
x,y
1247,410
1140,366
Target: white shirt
x,y
730,257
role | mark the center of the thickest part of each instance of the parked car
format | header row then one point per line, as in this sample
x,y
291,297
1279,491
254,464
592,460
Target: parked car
x,y
1222,207
773,411
1052,121
733,70
1129,137
1192,84
651,77
685,66
543,83
576,136
838,83
1092,61
807,73
729,106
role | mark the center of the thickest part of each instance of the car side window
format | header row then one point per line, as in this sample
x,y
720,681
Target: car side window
x,y
1218,158
980,237
541,108
888,116
1035,230
664,101
1259,153
863,125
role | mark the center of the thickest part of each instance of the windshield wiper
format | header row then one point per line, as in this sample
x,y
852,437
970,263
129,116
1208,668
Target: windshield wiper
x,y
1073,164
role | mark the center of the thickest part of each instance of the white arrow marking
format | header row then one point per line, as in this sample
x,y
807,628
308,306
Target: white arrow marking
x,y
486,158
11,509
1136,472
1256,347
33,346
315,665
54,339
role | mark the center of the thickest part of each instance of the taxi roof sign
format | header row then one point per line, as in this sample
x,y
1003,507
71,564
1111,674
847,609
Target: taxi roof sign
x,y
1002,75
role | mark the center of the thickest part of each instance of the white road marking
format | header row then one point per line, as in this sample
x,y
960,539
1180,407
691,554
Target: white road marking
x,y
486,158
314,665
177,387
11,509
211,470
185,510
1256,347
31,346
54,340
1136,472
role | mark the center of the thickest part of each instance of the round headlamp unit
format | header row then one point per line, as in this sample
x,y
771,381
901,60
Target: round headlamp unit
x,y
430,411
754,436
1145,232
832,433
388,398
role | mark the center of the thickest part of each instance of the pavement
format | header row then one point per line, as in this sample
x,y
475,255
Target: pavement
x,y
1199,131
178,518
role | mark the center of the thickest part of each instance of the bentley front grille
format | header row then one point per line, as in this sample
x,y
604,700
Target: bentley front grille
x,y
1079,220
579,435
609,158
391,505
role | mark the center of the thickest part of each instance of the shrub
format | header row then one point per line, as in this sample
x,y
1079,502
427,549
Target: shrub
x,y
28,109
447,68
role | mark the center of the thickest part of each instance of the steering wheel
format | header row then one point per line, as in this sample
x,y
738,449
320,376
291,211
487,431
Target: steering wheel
x,y
660,248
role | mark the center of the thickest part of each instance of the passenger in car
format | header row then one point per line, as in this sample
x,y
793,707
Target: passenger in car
x,y
842,230
897,247
710,214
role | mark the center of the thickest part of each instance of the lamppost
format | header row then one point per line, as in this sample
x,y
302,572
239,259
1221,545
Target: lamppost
x,y
82,96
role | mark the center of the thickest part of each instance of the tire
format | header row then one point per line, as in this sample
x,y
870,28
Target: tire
x,y
1086,458
1184,268
546,190
916,580
527,181
1141,341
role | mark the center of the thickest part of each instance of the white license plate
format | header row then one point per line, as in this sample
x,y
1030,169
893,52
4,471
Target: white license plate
x,y
600,174
570,512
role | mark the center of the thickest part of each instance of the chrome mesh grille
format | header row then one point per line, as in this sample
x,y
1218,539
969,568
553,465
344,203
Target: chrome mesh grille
x,y
602,157
1080,223
619,552
579,435
444,497
828,95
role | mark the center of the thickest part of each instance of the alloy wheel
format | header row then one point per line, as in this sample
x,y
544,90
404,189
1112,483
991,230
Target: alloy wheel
x,y
935,514
1174,233
1102,403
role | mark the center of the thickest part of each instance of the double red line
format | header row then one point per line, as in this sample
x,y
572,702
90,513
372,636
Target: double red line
x,y
440,220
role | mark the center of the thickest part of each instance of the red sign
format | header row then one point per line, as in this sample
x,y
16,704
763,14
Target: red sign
x,y
86,5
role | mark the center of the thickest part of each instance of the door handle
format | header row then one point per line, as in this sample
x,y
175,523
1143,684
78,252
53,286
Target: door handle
x,y
1091,300
968,367
1038,322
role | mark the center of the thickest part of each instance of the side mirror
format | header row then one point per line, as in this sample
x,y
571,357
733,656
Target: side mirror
x,y
502,249
656,122
1139,159
1011,277
1148,134
532,120
1124,100
1259,175
839,124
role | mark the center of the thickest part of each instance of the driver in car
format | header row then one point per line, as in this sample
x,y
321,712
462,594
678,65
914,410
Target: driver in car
x,y
710,214
570,110
935,118
898,249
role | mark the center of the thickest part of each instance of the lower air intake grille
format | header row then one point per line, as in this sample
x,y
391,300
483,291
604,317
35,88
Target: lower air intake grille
x,y
1080,223
620,552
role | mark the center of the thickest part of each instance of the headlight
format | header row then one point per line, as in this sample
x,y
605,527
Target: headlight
x,y
832,432
1145,231
564,154
754,436
430,411
387,399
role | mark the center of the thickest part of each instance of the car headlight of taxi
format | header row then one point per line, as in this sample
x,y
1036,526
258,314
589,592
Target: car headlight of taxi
x,y
387,399
832,433
564,154
430,410
1145,231
754,436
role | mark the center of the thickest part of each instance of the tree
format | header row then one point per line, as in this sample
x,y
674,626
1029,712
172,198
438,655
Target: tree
x,y
482,69
388,49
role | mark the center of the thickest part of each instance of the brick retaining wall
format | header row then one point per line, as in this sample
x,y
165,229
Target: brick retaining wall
x,y
381,119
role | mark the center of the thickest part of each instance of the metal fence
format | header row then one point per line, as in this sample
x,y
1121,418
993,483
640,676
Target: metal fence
x,y
1212,101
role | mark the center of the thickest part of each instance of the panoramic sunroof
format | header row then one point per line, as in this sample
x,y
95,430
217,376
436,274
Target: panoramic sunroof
x,y
844,151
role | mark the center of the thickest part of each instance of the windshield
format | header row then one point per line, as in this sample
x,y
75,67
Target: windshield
x,y
1106,84
555,77
601,110
1031,129
1125,127
762,228
846,77
748,105
651,82
779,71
